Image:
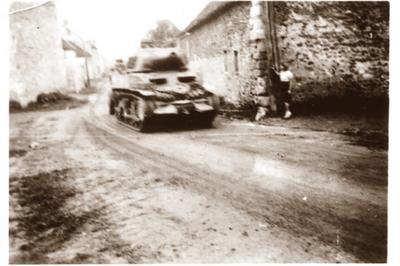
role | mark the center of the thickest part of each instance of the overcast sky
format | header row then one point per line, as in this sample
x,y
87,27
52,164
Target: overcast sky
x,y
117,26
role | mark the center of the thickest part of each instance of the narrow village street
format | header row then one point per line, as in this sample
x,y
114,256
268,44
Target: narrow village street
x,y
87,189
144,132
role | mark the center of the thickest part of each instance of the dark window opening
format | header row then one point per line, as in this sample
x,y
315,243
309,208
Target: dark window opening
x,y
236,61
226,60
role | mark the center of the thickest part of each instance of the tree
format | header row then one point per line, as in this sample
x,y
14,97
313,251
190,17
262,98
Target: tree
x,y
164,35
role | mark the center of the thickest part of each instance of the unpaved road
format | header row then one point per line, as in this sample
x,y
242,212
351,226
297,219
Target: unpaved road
x,y
94,191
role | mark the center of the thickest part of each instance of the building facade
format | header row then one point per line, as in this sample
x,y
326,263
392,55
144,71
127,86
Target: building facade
x,y
85,65
216,44
36,54
47,57
335,49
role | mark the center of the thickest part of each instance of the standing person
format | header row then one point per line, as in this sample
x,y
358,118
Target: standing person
x,y
285,86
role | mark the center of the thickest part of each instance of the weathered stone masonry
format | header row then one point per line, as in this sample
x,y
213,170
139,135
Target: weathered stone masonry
x,y
218,49
335,49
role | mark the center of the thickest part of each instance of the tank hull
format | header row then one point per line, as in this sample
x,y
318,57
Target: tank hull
x,y
160,89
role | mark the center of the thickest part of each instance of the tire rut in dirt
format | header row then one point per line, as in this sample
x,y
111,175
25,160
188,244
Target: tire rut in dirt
x,y
362,237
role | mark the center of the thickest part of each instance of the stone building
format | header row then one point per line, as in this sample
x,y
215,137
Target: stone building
x,y
36,55
335,49
47,57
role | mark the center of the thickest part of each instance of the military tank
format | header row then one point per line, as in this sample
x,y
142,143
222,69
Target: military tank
x,y
158,85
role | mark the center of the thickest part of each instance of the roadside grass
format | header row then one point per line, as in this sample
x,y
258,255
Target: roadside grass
x,y
17,152
240,111
365,128
48,102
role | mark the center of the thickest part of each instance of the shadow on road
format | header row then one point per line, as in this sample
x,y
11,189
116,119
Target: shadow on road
x,y
44,220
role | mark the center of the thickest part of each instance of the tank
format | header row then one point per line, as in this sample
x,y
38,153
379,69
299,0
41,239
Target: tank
x,y
158,85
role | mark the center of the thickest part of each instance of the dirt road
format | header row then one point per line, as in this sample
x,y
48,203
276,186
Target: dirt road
x,y
94,191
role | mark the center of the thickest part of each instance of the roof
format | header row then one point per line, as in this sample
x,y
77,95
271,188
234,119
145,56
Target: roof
x,y
22,6
212,10
71,46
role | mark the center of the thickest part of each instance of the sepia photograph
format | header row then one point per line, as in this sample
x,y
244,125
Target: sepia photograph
x,y
166,132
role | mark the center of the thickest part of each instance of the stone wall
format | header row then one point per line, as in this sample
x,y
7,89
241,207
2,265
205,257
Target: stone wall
x,y
335,48
219,51
36,54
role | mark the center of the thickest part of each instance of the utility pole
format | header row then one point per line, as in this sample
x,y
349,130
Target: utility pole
x,y
273,35
265,51
87,54
87,71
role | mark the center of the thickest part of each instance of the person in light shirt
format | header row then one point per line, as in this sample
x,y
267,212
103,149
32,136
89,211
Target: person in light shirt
x,y
285,76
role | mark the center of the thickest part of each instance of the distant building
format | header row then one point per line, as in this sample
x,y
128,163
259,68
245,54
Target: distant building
x,y
334,48
45,56
75,59
96,62
36,55
84,63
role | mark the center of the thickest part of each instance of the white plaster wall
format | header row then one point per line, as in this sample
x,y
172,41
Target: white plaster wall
x,y
36,54
75,71
213,44
212,73
208,70
95,65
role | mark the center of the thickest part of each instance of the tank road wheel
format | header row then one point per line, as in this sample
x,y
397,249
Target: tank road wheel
x,y
134,112
119,110
140,109
119,113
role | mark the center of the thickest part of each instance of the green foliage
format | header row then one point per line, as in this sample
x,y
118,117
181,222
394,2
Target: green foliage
x,y
164,35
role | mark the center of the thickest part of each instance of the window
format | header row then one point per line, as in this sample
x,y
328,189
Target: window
x,y
236,61
226,60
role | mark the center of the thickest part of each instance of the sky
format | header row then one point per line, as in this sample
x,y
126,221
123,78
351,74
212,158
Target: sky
x,y
117,26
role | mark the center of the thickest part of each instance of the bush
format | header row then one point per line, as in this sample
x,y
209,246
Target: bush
x,y
15,106
48,101
51,97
